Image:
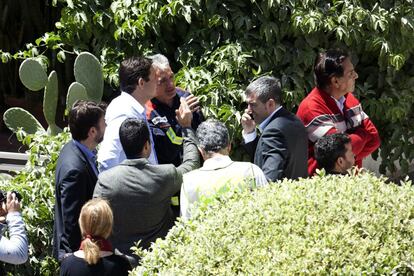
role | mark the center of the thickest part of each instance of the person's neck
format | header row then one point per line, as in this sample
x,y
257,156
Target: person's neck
x,y
139,97
89,143
219,154
336,94
168,102
338,171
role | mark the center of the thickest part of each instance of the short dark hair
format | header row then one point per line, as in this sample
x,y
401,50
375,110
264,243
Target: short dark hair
x,y
83,116
329,148
266,88
131,70
212,136
327,65
133,134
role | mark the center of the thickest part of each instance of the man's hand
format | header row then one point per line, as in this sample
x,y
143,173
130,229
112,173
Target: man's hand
x,y
13,204
193,103
184,115
247,122
3,211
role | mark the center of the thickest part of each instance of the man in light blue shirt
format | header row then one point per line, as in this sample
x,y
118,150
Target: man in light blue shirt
x,y
13,250
137,77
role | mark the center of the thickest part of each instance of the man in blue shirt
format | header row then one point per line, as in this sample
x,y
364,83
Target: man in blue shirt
x,y
76,174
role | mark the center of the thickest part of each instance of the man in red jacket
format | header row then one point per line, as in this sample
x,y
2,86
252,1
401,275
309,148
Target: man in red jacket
x,y
331,107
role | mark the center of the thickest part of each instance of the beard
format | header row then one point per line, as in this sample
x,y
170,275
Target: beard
x,y
99,137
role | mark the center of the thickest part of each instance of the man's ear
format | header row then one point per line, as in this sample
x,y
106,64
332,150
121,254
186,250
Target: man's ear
x,y
146,150
334,82
202,152
229,147
92,131
271,104
340,161
141,82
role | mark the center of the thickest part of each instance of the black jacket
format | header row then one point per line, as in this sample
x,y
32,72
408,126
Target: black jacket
x,y
75,182
282,149
161,117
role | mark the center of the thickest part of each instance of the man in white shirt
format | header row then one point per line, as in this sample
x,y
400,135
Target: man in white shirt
x,y
137,77
218,170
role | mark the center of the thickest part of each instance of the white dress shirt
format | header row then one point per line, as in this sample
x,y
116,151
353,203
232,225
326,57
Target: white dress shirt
x,y
111,152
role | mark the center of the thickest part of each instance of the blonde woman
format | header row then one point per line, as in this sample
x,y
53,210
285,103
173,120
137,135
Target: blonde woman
x,y
95,256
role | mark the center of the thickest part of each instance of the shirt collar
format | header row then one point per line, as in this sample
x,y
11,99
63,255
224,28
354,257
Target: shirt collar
x,y
91,155
340,102
266,121
217,162
134,103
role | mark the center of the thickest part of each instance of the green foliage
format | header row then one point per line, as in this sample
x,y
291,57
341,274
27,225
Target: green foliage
x,y
16,118
50,101
340,225
76,92
36,184
32,74
88,72
219,47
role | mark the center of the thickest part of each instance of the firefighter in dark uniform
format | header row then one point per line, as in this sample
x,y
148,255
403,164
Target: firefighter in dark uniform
x,y
161,114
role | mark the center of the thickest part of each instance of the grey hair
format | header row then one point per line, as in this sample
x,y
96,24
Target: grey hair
x,y
160,61
266,88
212,136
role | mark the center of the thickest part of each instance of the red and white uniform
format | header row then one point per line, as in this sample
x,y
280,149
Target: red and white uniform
x,y
321,115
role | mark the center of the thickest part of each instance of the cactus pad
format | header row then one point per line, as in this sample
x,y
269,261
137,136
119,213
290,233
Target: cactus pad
x,y
32,74
53,130
88,72
17,117
76,92
50,98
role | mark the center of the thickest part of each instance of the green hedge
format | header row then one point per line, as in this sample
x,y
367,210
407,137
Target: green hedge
x,y
319,226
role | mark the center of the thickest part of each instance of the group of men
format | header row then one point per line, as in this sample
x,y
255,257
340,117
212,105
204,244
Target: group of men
x,y
155,134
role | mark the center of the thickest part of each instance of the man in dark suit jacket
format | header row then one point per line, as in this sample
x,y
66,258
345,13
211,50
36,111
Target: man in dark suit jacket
x,y
76,175
281,149
139,192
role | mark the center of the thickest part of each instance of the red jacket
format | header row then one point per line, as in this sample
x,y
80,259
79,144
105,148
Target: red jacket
x,y
320,115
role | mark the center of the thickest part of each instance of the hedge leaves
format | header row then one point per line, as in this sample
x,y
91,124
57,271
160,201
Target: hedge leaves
x,y
318,226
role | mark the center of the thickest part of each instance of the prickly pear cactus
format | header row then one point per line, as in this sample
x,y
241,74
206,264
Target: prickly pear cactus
x,y
32,74
76,92
53,130
88,72
50,101
17,117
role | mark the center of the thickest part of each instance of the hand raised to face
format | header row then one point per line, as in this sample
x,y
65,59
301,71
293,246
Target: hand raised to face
x,y
184,115
247,122
193,103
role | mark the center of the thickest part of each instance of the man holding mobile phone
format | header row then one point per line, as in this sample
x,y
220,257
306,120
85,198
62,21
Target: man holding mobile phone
x,y
15,249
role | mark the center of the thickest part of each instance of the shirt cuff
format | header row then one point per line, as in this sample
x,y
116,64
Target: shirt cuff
x,y
249,137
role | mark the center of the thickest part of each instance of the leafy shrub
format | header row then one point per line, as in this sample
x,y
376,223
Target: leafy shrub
x,y
36,183
341,225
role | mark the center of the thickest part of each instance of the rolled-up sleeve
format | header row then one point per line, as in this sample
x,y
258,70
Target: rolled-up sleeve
x,y
15,249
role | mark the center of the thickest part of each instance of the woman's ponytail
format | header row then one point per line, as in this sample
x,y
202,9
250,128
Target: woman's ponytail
x,y
91,251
